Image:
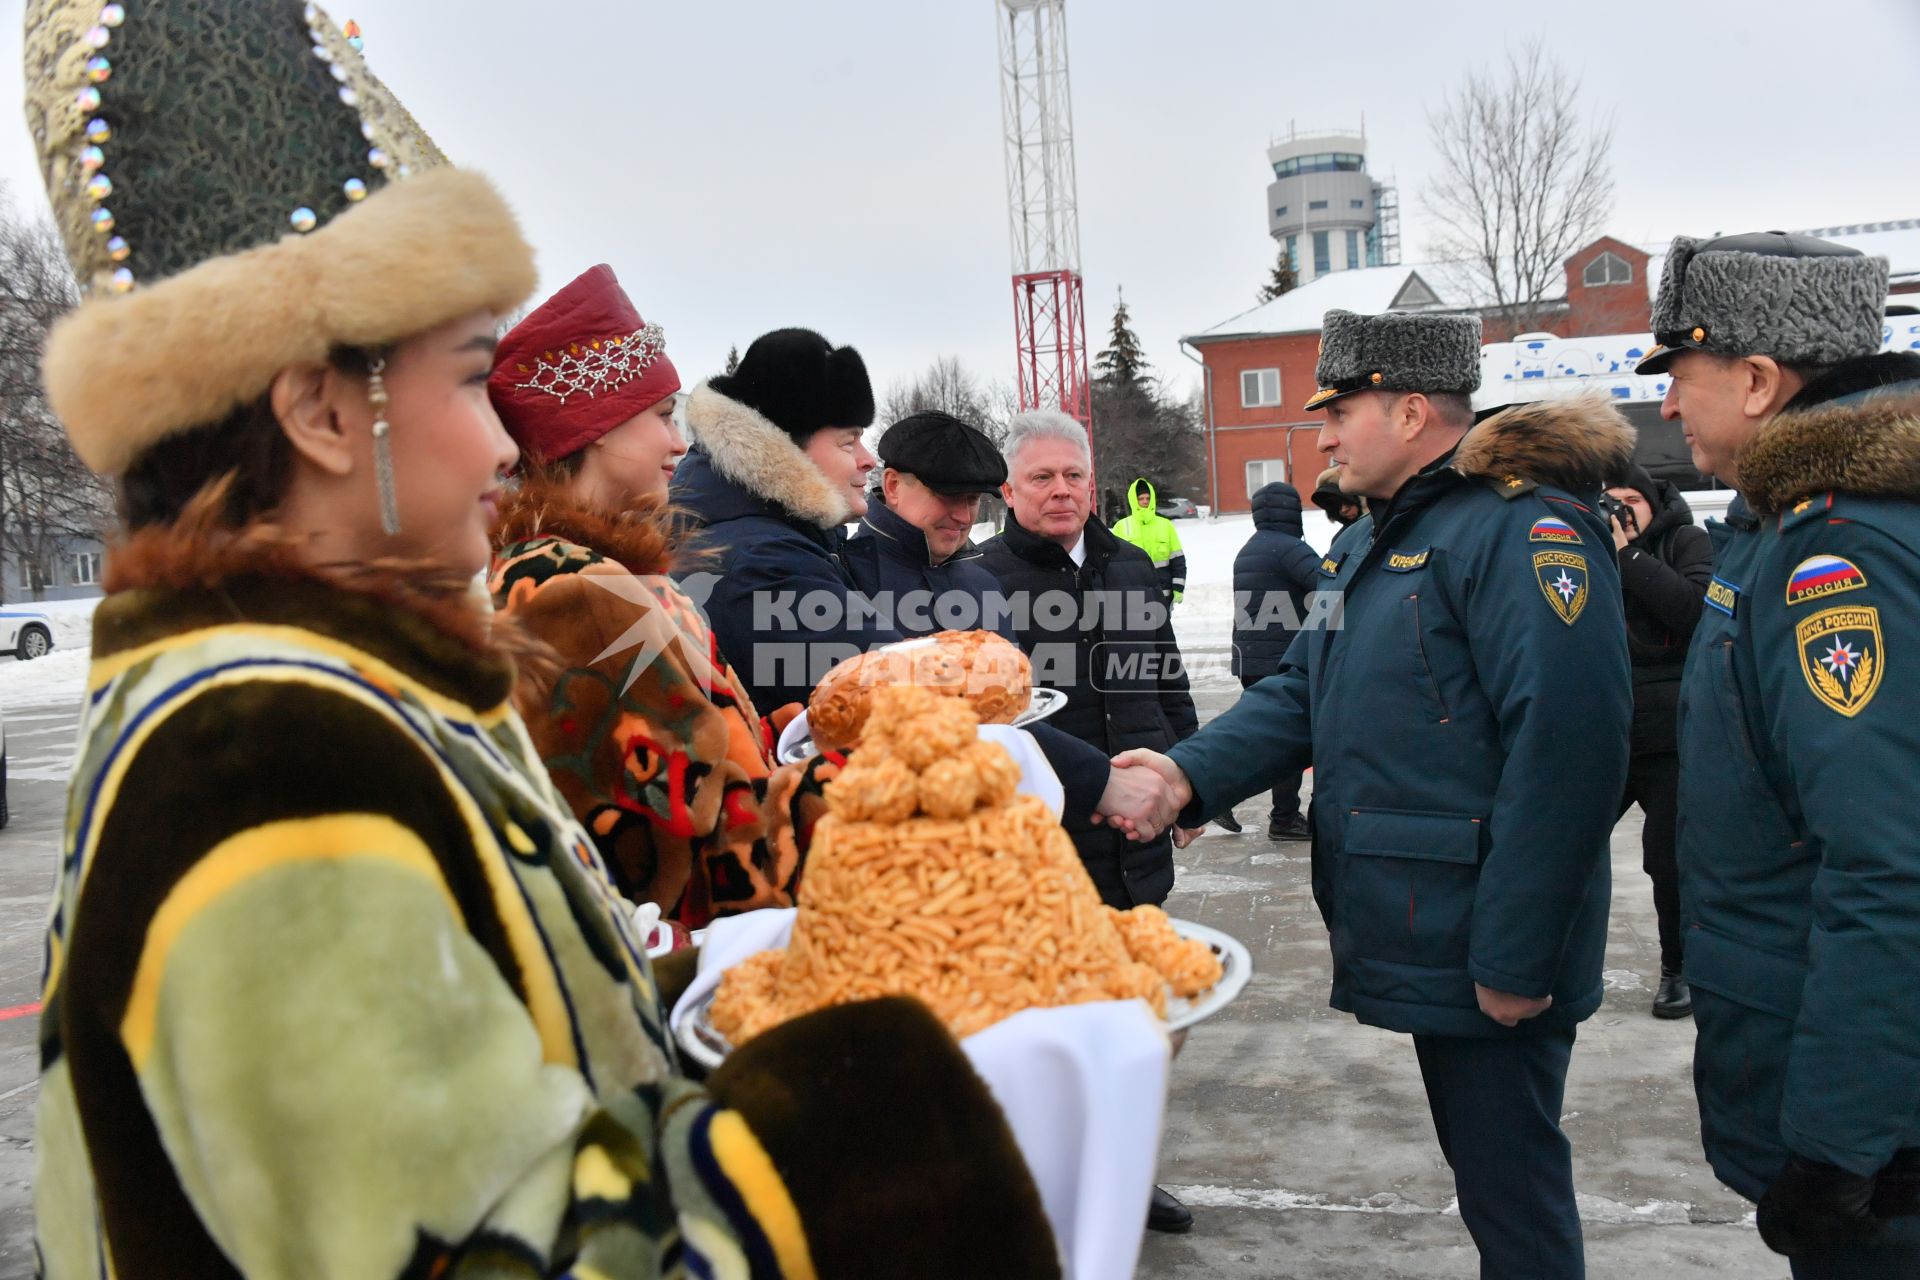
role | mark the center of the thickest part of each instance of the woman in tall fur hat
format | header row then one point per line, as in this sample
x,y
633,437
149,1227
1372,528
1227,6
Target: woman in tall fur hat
x,y
647,732
336,985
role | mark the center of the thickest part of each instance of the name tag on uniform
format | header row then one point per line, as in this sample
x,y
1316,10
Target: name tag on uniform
x,y
1724,596
1330,565
1407,561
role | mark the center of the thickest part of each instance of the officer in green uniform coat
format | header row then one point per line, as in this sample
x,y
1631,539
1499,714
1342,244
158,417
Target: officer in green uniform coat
x,y
1799,740
1468,730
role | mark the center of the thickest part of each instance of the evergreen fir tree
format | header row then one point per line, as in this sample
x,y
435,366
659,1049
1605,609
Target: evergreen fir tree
x,y
1137,430
1282,281
733,361
1122,363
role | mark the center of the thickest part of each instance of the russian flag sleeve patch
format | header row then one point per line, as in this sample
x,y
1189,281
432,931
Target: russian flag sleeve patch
x,y
1553,529
1818,577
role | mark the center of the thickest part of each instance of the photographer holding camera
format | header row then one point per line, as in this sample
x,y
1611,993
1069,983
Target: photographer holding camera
x,y
1666,562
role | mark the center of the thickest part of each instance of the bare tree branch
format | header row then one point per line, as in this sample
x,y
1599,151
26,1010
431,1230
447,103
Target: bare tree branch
x,y
951,387
1523,182
48,499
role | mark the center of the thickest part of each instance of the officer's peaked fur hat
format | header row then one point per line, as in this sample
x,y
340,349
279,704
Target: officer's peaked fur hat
x,y
1796,298
1396,352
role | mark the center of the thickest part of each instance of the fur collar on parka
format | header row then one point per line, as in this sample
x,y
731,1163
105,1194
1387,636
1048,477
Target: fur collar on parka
x,y
1869,448
200,572
639,540
749,450
1580,444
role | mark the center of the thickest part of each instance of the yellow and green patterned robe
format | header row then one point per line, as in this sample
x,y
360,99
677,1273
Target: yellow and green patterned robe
x,y
337,987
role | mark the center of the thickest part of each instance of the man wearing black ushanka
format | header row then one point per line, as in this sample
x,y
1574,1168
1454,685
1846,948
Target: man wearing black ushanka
x,y
1467,729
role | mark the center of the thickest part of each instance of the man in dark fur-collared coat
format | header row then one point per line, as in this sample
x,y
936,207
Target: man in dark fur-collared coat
x,y
776,470
1468,732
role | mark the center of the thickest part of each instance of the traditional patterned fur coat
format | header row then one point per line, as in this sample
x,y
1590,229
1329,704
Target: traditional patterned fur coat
x,y
647,732
337,987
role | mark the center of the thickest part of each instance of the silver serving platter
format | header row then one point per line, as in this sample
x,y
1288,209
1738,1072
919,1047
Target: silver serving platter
x,y
1041,704
709,1048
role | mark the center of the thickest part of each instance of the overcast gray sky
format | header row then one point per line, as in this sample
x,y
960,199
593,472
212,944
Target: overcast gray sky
x,y
749,164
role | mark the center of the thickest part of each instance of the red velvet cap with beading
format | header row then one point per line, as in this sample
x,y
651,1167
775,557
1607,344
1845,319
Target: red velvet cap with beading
x,y
580,365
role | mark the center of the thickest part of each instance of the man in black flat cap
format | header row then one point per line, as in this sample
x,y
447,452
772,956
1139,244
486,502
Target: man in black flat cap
x,y
912,552
918,572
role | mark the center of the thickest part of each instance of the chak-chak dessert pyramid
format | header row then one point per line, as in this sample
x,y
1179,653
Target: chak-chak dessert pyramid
x,y
931,877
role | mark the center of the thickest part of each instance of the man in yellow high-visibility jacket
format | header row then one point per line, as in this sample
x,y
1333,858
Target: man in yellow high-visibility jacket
x,y
1154,534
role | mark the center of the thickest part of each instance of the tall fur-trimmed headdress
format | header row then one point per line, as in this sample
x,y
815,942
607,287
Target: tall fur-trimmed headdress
x,y
238,193
1799,299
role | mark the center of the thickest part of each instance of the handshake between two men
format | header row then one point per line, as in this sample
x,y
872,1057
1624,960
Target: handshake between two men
x,y
1147,792
1145,795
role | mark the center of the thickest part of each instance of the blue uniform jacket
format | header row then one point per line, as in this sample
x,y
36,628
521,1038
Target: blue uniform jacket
x,y
1467,727
1799,838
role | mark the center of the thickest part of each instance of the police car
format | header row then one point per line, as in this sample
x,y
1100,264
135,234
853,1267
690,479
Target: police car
x,y
25,634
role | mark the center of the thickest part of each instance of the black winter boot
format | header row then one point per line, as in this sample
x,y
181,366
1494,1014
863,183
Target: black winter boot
x,y
1164,1213
1294,827
1673,999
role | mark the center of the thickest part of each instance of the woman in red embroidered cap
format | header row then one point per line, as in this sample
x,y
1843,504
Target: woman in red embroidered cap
x,y
647,733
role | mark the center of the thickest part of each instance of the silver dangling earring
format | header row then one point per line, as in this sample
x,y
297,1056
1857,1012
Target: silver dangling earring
x,y
383,446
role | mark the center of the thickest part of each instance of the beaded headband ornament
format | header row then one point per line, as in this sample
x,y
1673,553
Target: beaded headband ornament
x,y
593,367
578,366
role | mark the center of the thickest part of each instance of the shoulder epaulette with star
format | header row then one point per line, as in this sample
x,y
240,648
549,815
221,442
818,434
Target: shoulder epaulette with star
x,y
1511,486
1817,507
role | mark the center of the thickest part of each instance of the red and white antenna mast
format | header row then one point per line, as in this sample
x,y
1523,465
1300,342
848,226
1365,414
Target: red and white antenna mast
x,y
1050,324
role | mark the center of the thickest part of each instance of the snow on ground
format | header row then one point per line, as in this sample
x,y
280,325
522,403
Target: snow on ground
x,y
1203,620
42,702
57,680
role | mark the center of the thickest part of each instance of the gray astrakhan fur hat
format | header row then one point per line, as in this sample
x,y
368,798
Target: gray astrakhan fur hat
x,y
1396,352
1798,299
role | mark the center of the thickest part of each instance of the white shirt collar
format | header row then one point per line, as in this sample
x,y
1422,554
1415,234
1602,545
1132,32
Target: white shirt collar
x,y
1079,551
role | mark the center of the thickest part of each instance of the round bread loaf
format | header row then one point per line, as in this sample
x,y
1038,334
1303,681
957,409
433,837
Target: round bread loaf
x,y
993,676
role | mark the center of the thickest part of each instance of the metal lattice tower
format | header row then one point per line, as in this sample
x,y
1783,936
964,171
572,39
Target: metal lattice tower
x,y
1387,206
1050,324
